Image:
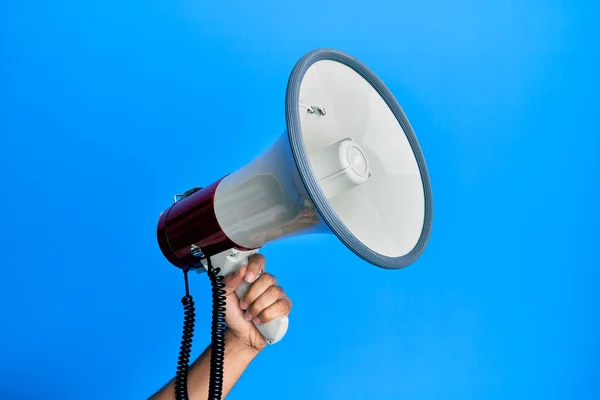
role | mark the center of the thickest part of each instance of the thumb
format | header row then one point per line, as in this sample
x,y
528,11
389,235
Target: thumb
x,y
233,280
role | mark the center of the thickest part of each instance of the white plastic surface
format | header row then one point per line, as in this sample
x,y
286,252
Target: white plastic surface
x,y
339,167
230,261
265,200
387,211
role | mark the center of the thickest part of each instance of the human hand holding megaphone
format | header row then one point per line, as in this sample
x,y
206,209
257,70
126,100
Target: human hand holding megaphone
x,y
264,304
245,281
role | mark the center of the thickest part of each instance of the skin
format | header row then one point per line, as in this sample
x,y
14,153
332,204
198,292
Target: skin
x,y
264,301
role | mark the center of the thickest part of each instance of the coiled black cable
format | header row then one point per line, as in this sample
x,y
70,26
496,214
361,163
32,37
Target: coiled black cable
x,y
217,346
183,362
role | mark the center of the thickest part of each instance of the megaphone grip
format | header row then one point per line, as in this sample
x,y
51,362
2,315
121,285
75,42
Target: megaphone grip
x,y
272,331
229,262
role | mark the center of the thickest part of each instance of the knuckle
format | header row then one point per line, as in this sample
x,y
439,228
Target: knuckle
x,y
277,310
273,291
268,315
281,307
258,259
270,279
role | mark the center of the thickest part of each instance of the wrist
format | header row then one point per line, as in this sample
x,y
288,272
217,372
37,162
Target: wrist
x,y
236,344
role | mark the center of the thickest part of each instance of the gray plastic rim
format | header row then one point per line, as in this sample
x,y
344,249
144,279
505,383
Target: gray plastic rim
x,y
292,111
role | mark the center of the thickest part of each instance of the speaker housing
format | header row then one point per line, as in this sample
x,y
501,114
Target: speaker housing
x,y
288,190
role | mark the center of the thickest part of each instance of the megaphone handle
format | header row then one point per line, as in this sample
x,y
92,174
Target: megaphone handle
x,y
272,331
229,262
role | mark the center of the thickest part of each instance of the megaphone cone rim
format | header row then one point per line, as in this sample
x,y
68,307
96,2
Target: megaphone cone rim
x,y
292,110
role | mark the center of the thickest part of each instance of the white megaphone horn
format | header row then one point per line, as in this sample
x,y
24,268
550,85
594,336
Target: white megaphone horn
x,y
348,164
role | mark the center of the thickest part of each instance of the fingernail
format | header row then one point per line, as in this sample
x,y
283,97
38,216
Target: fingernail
x,y
257,320
249,277
243,305
248,316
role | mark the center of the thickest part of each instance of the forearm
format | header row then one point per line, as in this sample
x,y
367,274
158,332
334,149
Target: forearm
x,y
237,358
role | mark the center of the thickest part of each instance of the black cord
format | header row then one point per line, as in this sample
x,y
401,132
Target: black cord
x,y
217,346
185,350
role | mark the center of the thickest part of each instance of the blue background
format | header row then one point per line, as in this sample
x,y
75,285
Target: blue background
x,y
108,108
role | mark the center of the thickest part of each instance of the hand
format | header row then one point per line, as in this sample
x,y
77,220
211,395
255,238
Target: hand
x,y
263,302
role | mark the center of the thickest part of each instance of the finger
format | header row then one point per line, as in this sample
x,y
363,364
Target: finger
x,y
233,280
278,309
267,298
256,265
256,289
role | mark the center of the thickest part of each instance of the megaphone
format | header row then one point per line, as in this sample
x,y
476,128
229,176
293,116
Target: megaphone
x,y
348,164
